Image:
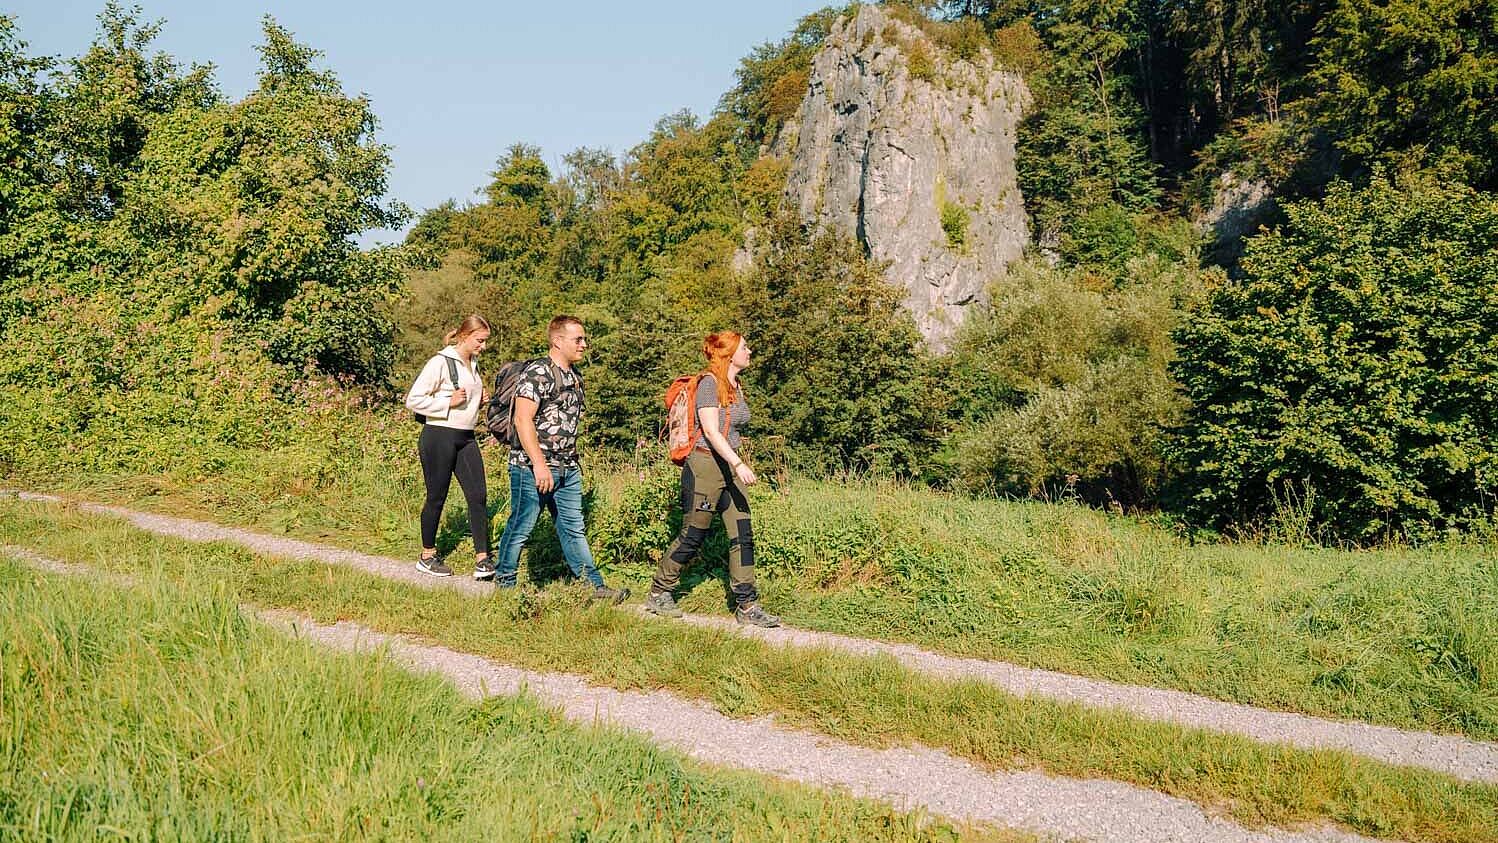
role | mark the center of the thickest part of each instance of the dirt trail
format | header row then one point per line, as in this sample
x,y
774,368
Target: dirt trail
x,y
908,778
1454,755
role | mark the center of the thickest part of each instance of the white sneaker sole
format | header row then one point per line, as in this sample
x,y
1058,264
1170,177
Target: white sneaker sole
x,y
429,572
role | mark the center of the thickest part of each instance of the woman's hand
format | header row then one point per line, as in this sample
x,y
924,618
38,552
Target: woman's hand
x,y
459,397
745,473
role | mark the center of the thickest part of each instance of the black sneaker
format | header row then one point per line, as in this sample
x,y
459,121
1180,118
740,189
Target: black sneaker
x,y
663,604
433,566
614,596
754,615
484,568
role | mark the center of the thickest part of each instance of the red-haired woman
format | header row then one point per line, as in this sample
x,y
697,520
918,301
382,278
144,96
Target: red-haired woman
x,y
447,396
713,481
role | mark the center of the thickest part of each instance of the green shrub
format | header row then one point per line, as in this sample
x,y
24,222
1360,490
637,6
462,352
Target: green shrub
x,y
954,222
1106,431
1357,355
1065,377
638,516
920,61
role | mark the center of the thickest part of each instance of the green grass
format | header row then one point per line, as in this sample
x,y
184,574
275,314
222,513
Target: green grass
x,y
1401,637
863,700
162,713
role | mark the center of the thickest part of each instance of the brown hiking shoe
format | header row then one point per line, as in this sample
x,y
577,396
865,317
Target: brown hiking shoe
x,y
614,596
755,615
663,604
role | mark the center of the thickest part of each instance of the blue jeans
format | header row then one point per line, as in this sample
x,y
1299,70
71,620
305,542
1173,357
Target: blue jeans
x,y
565,503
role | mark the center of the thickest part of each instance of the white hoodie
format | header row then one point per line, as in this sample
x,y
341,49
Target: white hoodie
x,y
433,389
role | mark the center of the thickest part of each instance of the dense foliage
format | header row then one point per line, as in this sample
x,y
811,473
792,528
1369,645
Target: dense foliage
x,y
1345,354
1065,385
174,261
1357,359
840,365
642,250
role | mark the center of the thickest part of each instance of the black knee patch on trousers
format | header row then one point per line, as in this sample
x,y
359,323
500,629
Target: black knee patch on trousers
x,y
745,543
691,542
688,489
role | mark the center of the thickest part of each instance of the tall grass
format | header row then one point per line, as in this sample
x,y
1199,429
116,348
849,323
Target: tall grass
x,y
1399,636
162,713
872,701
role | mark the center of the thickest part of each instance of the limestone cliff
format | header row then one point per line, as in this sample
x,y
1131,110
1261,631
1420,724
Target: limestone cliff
x,y
911,150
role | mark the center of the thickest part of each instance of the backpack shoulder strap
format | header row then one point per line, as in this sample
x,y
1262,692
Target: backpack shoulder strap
x,y
696,385
551,369
452,370
558,376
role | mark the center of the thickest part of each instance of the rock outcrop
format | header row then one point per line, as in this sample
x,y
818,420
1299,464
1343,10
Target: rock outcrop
x,y
1239,207
911,150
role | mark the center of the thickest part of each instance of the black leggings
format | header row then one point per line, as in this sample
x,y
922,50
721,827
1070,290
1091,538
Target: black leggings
x,y
445,452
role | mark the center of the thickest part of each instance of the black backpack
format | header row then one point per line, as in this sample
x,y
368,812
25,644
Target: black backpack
x,y
452,372
499,414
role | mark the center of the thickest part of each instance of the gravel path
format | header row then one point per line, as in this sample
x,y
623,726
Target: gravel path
x,y
908,777
1454,755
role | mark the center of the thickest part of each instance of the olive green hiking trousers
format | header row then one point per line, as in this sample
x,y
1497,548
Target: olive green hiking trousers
x,y
708,487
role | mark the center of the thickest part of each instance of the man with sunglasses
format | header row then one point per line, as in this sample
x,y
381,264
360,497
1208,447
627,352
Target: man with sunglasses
x,y
544,466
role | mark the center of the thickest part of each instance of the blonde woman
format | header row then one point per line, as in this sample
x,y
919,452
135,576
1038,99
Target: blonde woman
x,y
448,396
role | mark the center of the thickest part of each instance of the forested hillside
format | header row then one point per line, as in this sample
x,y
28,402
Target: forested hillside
x,y
1262,279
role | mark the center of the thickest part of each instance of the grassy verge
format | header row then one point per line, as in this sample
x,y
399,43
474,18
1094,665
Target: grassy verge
x,y
1401,637
863,700
167,715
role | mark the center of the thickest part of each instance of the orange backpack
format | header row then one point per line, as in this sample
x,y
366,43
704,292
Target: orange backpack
x,y
681,417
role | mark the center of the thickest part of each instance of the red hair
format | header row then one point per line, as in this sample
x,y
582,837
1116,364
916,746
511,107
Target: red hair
x,y
719,349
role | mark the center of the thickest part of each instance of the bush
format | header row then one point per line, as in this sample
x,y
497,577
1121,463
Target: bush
x,y
1064,382
192,279
1105,431
954,222
1358,355
919,60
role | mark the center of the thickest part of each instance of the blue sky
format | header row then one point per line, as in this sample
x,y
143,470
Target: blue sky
x,y
455,82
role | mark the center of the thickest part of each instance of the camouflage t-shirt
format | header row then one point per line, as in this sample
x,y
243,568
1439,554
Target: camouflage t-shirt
x,y
558,394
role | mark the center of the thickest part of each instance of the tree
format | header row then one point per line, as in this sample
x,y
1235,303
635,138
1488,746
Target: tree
x,y
108,100
771,80
196,253
1359,356
254,206
521,179
30,219
1082,149
838,363
1400,76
